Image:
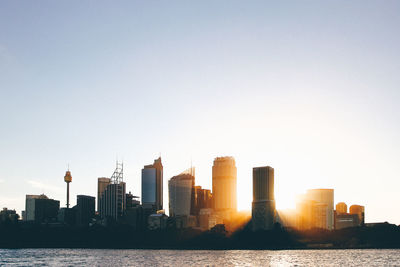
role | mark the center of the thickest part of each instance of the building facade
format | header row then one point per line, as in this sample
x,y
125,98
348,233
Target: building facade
x,y
152,185
112,201
324,196
85,209
263,206
8,216
341,208
224,181
360,211
202,200
41,209
102,184
180,192
345,220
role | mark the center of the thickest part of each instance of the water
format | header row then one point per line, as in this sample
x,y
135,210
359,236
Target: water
x,y
111,257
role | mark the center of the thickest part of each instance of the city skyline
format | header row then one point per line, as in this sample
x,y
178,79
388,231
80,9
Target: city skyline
x,y
310,89
223,168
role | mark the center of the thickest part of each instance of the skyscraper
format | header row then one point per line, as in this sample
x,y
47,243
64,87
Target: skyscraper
x,y
152,185
323,196
102,184
263,206
181,194
202,199
112,199
224,179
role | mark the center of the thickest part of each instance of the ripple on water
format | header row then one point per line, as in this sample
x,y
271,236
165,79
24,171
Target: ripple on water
x,y
109,257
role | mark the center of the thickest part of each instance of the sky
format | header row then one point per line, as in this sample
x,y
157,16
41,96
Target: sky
x,y
310,88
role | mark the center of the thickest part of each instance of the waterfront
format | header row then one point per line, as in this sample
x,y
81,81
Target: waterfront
x,y
112,257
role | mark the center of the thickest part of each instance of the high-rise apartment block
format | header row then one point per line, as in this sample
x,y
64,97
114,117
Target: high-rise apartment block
x,y
263,206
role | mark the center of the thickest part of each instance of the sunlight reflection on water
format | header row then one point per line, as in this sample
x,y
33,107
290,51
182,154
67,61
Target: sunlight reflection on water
x,y
109,257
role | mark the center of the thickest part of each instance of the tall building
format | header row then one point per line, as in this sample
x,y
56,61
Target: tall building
x,y
224,179
320,217
40,209
112,200
341,208
152,185
360,211
323,196
202,199
181,194
102,184
85,209
263,206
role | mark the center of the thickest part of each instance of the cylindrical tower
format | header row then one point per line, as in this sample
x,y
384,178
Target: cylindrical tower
x,y
224,179
263,206
68,179
360,211
341,208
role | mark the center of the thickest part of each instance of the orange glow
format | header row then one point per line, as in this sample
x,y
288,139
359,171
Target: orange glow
x,y
237,221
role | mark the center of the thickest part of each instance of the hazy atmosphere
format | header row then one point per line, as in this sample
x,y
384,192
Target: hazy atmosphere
x,y
309,89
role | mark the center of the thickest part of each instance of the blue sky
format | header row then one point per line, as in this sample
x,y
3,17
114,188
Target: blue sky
x,y
310,88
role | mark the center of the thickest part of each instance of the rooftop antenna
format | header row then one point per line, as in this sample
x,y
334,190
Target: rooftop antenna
x,y
118,175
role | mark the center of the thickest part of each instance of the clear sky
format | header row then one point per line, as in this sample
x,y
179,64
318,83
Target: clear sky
x,y
310,88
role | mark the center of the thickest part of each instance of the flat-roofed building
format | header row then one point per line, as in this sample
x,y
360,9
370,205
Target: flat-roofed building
x,y
324,196
263,206
85,209
102,184
345,220
41,209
